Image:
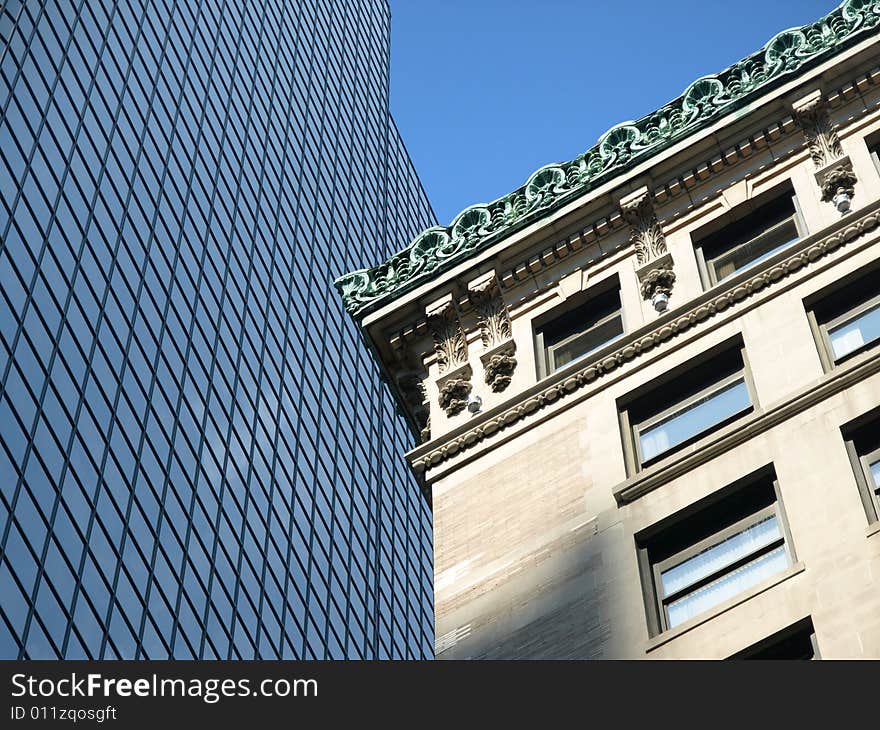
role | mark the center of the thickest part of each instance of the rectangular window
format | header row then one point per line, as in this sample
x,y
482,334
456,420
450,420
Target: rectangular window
x,y
750,234
714,551
590,321
874,150
862,438
677,411
797,642
846,320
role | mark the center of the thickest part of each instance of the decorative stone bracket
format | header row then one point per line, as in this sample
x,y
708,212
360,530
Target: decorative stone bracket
x,y
837,182
656,280
644,228
499,364
834,170
450,346
412,387
455,387
410,379
495,331
655,266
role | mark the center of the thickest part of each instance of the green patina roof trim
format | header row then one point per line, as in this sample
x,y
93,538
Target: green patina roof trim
x,y
618,150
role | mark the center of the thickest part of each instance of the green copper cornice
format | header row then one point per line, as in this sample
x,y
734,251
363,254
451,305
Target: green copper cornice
x,y
618,150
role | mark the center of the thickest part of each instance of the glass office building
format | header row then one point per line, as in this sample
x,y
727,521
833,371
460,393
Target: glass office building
x,y
198,458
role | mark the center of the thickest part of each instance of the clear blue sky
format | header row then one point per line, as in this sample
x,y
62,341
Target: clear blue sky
x,y
487,91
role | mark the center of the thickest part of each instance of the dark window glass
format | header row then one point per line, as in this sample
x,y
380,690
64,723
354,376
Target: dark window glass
x,y
862,438
874,149
796,642
847,320
757,233
580,330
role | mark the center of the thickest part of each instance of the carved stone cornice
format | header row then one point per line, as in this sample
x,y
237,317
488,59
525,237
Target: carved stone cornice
x,y
674,188
619,150
729,294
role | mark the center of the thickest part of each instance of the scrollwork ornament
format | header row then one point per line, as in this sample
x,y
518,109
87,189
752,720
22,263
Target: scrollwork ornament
x,y
499,371
658,281
840,180
453,395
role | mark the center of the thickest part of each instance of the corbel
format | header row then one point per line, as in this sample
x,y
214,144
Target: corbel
x,y
495,330
410,378
654,265
834,171
451,350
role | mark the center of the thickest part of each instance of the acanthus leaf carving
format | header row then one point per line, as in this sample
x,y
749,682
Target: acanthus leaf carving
x,y
834,171
645,231
822,139
492,314
496,331
450,344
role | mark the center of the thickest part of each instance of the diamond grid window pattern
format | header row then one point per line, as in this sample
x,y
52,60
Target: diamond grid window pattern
x,y
198,458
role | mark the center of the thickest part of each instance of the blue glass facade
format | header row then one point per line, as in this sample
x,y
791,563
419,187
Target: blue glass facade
x,y
198,458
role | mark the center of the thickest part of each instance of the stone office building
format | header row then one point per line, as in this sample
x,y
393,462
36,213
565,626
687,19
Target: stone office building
x,y
647,381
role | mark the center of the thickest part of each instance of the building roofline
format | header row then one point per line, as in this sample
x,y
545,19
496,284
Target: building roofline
x,y
706,100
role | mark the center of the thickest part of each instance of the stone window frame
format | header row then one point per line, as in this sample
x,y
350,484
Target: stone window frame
x,y
802,629
862,440
872,142
652,390
683,521
839,303
736,216
581,300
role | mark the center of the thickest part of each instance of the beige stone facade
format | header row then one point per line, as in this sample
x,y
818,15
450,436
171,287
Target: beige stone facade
x,y
539,513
